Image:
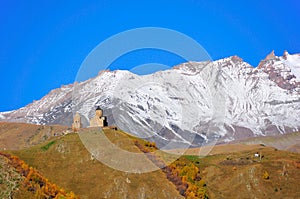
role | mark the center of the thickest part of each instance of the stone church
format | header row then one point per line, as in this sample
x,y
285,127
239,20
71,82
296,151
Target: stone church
x,y
98,120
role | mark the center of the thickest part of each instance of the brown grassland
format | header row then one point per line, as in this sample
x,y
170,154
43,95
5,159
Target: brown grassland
x,y
65,161
229,171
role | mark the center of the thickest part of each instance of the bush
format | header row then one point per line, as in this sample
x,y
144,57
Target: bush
x,y
150,144
202,183
266,176
34,182
47,146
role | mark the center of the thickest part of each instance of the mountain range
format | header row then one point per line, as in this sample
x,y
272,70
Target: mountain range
x,y
192,104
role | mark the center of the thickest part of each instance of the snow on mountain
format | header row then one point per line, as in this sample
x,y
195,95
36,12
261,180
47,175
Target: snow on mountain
x,y
293,61
192,103
284,71
2,117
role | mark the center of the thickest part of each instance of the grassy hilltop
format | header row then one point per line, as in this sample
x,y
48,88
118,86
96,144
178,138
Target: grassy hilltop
x,y
65,161
230,171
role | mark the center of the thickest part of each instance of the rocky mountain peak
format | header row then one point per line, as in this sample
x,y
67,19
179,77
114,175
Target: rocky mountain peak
x,y
279,70
236,59
285,54
271,56
259,101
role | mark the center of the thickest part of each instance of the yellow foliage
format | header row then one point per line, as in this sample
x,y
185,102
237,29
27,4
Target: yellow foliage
x,y
201,183
190,171
266,175
201,194
35,182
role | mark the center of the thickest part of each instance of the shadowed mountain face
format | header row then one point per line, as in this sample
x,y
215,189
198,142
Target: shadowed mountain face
x,y
191,104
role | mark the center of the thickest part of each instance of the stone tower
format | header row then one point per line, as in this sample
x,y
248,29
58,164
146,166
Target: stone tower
x,y
76,122
98,120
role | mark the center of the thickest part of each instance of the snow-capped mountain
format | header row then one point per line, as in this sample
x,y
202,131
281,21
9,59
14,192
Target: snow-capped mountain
x,y
193,102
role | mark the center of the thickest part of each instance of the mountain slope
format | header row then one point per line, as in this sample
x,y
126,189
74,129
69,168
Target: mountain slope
x,y
10,180
241,175
14,136
191,104
67,162
289,142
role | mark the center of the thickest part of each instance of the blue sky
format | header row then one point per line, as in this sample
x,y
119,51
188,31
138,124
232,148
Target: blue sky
x,y
43,43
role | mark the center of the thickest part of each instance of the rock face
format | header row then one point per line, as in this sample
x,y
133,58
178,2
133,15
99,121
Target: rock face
x,y
270,56
192,103
282,70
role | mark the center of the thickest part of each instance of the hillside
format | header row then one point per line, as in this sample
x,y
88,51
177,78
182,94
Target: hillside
x,y
10,180
65,161
232,167
241,175
19,180
21,135
288,142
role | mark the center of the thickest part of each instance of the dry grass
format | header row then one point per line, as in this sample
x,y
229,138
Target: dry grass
x,y
240,174
67,163
14,136
10,180
289,142
229,171
218,149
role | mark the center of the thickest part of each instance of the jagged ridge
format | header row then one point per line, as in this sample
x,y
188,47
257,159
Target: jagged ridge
x,y
256,101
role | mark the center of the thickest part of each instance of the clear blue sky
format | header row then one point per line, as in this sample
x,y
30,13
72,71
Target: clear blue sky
x,y
43,43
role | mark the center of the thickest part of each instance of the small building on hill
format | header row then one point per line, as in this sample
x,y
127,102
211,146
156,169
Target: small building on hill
x,y
76,122
98,120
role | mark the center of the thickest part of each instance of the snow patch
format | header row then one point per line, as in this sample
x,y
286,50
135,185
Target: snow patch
x,y
293,61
